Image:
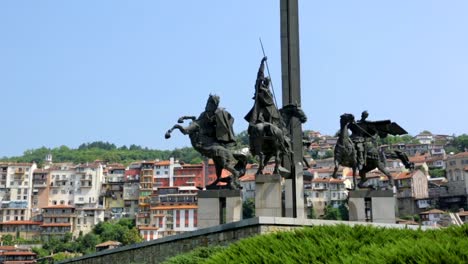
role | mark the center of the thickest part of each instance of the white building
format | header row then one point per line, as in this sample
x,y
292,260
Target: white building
x,y
16,191
62,184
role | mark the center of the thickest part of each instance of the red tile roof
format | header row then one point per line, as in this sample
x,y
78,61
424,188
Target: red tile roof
x,y
163,163
402,175
20,223
247,177
461,155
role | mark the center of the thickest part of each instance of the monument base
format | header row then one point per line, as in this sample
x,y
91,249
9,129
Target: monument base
x,y
377,206
268,200
216,207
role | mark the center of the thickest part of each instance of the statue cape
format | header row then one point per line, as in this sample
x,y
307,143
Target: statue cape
x,y
224,128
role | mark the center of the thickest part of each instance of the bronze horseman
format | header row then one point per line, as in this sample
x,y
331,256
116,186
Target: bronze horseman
x,y
360,151
211,134
267,131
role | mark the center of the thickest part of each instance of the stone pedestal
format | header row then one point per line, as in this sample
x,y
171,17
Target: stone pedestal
x,y
216,207
294,190
372,206
268,195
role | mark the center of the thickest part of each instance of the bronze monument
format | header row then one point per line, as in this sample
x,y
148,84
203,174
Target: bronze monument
x,y
211,134
360,151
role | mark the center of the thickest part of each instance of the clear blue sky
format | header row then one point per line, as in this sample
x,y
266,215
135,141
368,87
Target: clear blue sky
x,y
124,71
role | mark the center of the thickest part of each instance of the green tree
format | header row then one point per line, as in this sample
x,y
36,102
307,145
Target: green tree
x,y
312,213
331,213
344,212
88,242
7,240
131,236
243,138
461,142
436,173
248,208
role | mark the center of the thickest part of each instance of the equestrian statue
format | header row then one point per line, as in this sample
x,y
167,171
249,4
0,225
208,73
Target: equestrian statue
x,y
360,150
211,134
268,133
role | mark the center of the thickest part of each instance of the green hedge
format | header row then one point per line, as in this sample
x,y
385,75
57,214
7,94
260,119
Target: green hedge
x,y
345,244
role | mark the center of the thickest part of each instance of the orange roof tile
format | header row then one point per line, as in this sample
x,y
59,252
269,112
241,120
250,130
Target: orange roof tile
x,y
461,155
163,163
5,248
247,177
20,223
402,175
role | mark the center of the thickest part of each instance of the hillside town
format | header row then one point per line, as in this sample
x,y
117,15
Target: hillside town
x,y
161,195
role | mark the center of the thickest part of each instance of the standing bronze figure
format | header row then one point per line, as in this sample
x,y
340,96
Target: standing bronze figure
x,y
211,134
360,151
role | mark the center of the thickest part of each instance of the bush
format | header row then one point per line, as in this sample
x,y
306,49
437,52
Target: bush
x,y
196,256
344,244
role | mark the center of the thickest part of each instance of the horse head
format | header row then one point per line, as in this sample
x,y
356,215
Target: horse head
x,y
293,110
346,119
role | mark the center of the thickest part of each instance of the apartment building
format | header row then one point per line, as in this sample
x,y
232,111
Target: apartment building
x,y
173,211
457,177
62,184
112,191
412,192
16,191
327,191
147,174
58,220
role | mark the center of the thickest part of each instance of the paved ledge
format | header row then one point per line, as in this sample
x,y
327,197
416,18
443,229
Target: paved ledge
x,y
156,251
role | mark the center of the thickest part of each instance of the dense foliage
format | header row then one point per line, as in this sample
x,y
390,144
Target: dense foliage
x,y
105,151
344,244
123,231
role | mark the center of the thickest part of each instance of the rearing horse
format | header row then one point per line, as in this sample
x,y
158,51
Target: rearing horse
x,y
221,155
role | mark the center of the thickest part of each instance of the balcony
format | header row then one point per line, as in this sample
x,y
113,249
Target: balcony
x,y
58,215
86,184
20,171
143,215
39,184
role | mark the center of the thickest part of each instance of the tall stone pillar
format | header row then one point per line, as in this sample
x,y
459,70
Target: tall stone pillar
x,y
290,68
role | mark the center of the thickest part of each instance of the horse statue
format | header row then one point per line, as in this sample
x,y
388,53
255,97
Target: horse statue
x,y
267,140
268,133
211,134
366,157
